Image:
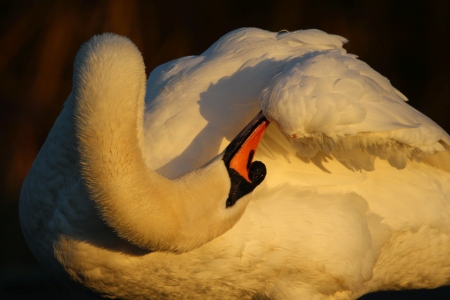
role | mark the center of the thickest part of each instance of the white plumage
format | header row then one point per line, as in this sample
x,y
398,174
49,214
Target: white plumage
x,y
356,197
330,101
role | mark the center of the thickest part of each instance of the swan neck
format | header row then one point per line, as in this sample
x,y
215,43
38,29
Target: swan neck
x,y
109,91
142,206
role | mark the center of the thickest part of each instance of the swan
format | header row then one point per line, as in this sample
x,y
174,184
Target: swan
x,y
157,191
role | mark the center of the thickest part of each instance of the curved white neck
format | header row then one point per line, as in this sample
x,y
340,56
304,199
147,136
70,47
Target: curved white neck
x,y
143,207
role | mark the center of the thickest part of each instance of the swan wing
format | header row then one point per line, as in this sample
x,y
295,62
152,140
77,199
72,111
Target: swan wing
x,y
203,101
329,101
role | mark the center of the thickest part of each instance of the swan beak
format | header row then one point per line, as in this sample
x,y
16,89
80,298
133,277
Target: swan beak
x,y
245,174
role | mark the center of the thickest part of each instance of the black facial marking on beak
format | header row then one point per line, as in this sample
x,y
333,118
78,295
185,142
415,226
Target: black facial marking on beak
x,y
241,187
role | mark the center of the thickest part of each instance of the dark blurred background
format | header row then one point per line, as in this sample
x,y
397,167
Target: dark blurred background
x,y
406,41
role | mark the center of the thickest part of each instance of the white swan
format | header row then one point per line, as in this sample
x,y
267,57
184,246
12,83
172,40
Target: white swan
x,y
356,197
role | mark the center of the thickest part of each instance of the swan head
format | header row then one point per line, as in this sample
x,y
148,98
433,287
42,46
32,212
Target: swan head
x,y
245,174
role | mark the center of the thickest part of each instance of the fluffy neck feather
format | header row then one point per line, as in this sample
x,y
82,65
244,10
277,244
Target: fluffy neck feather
x,y
143,207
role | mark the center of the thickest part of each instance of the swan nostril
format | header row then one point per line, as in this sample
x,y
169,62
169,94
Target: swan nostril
x,y
250,159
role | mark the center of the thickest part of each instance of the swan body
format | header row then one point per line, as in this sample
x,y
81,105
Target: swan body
x,y
355,200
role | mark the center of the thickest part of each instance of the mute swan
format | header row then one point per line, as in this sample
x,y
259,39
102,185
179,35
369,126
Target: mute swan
x,y
355,199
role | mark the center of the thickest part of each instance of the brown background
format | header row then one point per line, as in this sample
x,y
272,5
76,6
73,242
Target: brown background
x,y
406,41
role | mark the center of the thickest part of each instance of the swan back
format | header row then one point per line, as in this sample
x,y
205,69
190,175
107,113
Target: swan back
x,y
322,99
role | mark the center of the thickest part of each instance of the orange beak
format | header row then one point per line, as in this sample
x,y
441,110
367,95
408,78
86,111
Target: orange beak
x,y
240,152
243,158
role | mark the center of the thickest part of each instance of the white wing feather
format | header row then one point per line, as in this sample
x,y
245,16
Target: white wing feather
x,y
332,102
